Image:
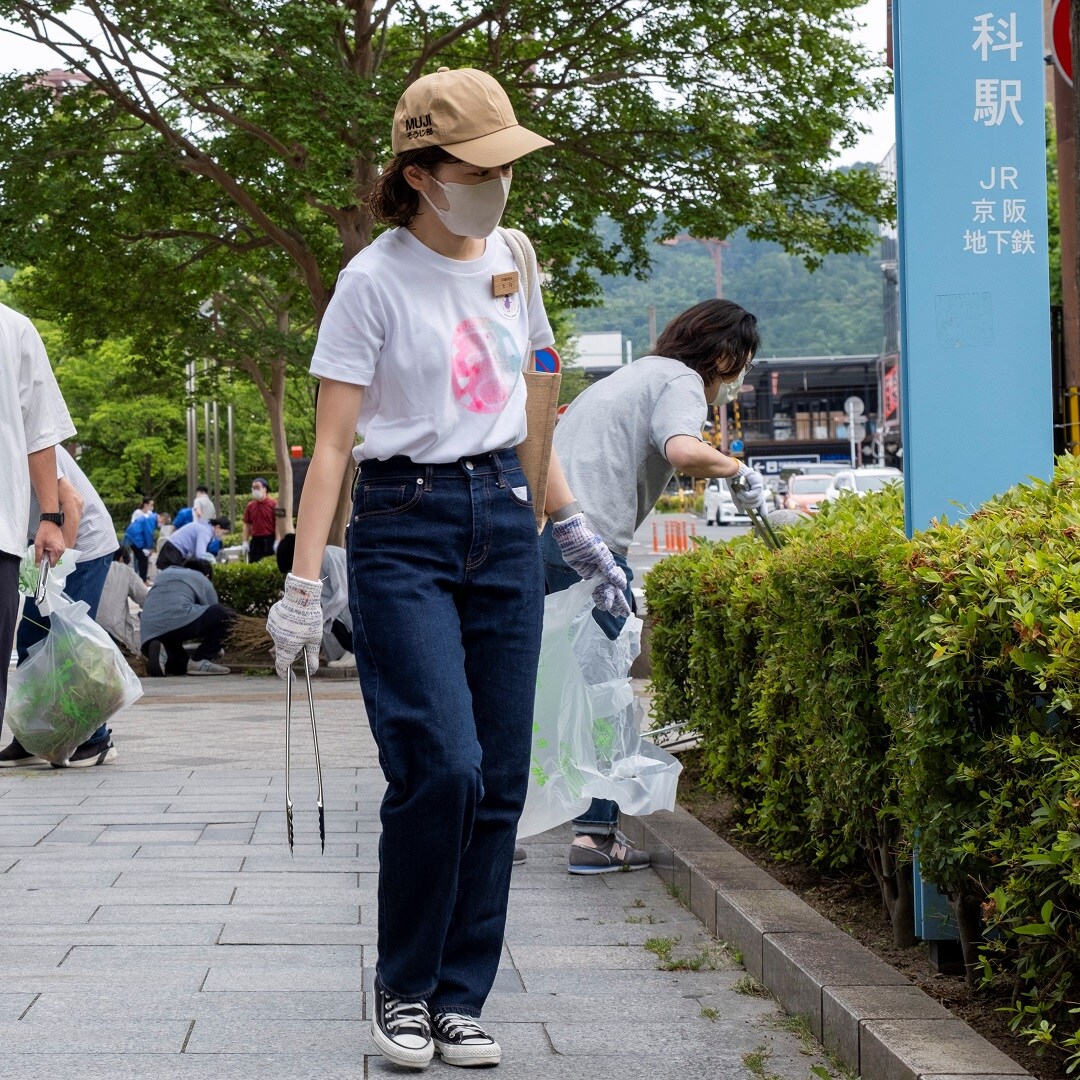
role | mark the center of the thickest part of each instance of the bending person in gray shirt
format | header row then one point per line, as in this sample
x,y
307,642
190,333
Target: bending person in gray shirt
x,y
182,606
620,442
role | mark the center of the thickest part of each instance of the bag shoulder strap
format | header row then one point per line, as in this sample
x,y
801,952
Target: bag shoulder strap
x,y
524,258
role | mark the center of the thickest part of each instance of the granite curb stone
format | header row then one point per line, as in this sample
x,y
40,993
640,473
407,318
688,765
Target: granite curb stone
x,y
859,1007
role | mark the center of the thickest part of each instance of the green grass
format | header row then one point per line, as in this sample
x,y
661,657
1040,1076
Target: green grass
x,y
749,986
642,919
709,1013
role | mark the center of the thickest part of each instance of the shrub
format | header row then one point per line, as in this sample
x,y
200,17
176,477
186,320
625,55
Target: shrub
x,y
980,676
250,588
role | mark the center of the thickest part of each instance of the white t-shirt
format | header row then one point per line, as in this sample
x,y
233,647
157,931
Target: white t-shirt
x,y
33,417
440,355
97,535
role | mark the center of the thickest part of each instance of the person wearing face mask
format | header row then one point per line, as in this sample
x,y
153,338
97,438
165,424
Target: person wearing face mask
x,y
421,351
621,440
260,523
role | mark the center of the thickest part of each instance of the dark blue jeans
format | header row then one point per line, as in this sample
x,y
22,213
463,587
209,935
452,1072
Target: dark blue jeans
x,y
85,583
602,815
446,592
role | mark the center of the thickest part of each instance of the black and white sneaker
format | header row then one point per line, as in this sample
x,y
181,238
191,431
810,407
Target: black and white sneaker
x,y
89,755
156,659
460,1040
402,1030
15,756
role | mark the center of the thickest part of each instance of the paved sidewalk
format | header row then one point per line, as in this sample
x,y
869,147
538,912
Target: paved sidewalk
x,y
156,927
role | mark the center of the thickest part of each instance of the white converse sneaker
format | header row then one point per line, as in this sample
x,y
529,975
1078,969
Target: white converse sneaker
x,y
402,1030
460,1040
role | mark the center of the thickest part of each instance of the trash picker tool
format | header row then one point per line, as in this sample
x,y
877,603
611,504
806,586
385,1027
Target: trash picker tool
x,y
288,757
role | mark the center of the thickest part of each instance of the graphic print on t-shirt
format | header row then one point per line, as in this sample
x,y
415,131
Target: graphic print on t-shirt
x,y
485,365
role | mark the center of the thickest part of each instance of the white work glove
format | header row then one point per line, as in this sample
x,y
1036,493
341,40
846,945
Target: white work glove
x,y
586,553
245,547
747,490
295,623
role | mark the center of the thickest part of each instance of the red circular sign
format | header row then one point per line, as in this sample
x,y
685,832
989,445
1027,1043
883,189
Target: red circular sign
x,y
1059,36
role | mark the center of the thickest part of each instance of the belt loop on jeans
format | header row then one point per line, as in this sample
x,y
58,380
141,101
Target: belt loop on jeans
x,y
428,473
496,457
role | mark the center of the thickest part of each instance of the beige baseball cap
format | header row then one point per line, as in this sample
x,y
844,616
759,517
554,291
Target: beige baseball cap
x,y
467,113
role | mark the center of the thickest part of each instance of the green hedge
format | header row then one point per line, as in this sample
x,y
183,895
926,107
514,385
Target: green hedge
x,y
250,588
857,690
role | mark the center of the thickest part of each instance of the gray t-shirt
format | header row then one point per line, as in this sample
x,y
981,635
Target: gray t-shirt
x,y
177,597
611,442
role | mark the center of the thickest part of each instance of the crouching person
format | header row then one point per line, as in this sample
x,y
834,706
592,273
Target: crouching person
x,y
183,606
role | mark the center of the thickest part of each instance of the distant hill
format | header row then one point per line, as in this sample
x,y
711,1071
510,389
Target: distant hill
x,y
835,310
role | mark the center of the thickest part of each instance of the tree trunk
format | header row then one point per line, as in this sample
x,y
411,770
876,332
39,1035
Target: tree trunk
x,y
895,883
273,395
968,910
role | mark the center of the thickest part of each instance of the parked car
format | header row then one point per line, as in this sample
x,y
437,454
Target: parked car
x,y
720,508
805,490
861,481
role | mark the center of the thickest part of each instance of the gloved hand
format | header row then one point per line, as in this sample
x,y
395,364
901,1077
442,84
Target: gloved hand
x,y
295,623
245,547
747,490
586,553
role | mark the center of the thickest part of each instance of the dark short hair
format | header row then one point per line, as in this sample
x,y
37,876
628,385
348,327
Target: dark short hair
x,y
716,338
285,552
224,522
202,565
392,200
202,487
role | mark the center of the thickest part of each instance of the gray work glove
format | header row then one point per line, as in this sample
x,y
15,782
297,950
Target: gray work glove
x,y
295,623
747,490
586,553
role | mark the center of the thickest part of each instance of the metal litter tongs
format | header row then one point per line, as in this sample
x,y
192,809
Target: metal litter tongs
x,y
760,522
288,756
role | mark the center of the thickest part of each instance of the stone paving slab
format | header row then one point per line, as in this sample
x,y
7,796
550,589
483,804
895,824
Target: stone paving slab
x,y
155,916
863,1009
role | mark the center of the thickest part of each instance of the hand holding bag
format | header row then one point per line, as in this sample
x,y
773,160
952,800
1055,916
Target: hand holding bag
x,y
542,387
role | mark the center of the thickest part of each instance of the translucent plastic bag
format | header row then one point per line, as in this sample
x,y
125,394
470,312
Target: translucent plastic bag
x,y
72,682
586,740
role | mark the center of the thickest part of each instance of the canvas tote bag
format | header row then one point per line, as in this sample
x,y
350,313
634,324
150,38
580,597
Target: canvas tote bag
x,y
542,387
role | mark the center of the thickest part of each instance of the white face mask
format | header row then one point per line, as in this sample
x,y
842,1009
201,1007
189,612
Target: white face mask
x,y
258,493
729,391
475,209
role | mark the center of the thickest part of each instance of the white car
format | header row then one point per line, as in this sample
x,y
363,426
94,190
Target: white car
x,y
720,508
861,481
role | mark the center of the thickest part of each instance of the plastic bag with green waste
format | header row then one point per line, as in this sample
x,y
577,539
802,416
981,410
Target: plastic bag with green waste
x,y
72,682
586,724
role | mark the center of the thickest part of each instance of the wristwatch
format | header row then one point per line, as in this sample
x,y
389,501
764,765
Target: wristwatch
x,y
56,519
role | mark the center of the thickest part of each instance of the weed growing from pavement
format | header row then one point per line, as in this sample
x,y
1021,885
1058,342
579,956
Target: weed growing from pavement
x,y
676,893
637,902
650,918
799,1026
755,1061
709,1013
707,957
749,986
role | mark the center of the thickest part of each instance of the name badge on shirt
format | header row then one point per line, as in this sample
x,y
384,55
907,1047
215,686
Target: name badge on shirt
x,y
504,284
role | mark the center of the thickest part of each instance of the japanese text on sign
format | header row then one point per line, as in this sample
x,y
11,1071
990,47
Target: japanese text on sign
x,y
997,100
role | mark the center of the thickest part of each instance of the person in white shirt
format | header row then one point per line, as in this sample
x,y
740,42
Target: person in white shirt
x,y
145,509
421,351
33,420
203,506
89,530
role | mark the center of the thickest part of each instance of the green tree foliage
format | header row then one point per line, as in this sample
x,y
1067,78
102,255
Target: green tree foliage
x,y
218,156
835,309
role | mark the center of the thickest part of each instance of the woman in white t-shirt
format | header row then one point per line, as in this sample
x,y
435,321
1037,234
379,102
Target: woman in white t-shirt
x,y
421,352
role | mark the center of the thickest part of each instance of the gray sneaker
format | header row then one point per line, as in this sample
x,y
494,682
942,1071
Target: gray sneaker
x,y
206,667
596,855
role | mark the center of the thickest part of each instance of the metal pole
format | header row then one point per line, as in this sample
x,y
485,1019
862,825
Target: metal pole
x,y
192,435
851,434
232,466
652,325
216,482
206,443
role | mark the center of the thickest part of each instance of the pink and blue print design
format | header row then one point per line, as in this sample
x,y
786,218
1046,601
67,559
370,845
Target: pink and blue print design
x,y
485,365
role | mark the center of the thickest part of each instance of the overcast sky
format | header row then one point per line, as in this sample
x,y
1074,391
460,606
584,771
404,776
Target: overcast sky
x,y
17,55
